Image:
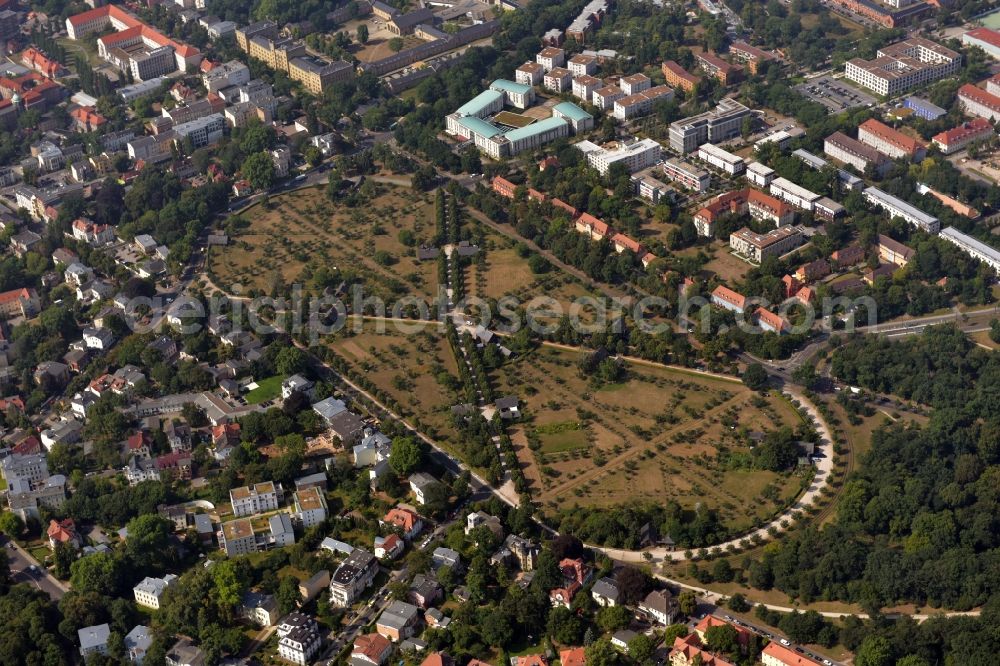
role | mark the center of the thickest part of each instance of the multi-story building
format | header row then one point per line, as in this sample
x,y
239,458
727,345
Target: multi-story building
x,y
721,159
634,155
21,302
551,57
237,537
584,87
686,174
985,38
232,73
526,138
310,506
718,68
993,85
299,638
775,654
957,138
973,247
578,119
841,147
635,83
898,208
202,132
352,577
529,74
894,252
317,75
791,193
640,103
94,640
759,174
751,55
605,98
557,80
715,126
135,47
889,141
729,203
29,469
249,501
977,102
150,590
757,247
517,95
582,65
951,202
648,187
678,77
904,65
764,207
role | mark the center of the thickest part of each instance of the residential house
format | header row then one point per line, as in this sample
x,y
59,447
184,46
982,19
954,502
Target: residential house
x,y
260,608
149,590
137,643
299,638
308,589
249,501
419,484
424,591
310,506
94,640
660,606
63,531
446,557
575,574
407,522
398,621
605,592
371,649
388,547
185,653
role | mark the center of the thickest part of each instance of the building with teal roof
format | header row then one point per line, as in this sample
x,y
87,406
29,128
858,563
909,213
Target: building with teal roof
x,y
579,120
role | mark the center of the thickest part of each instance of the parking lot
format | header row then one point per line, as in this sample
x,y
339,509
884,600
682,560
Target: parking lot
x,y
835,95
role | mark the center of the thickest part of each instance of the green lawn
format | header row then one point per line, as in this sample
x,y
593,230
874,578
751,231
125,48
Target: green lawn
x,y
562,436
266,390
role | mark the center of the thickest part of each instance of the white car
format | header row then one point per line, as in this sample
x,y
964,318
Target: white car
x,y
784,641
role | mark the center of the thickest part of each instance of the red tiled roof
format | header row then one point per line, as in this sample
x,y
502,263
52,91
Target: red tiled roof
x,y
786,656
134,27
372,646
576,656
888,134
777,206
14,295
404,519
980,96
62,531
773,320
973,127
626,242
729,296
991,37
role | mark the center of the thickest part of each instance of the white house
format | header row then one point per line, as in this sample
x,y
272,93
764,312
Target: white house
x,y
149,591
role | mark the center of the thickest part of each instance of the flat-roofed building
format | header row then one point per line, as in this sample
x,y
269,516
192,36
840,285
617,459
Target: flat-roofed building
x,y
896,207
721,159
759,174
889,141
715,126
310,506
687,174
904,65
634,155
793,194
261,497
237,537
757,247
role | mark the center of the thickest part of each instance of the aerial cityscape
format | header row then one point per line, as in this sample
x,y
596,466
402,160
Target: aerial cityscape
x,y
500,333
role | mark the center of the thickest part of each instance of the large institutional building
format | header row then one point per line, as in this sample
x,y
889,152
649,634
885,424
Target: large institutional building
x,y
722,123
136,47
904,65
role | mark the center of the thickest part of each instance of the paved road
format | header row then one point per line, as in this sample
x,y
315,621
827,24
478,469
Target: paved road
x,y
20,562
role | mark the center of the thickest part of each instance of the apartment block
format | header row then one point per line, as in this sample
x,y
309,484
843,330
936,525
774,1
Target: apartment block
x,y
957,138
973,247
582,65
640,103
760,175
529,74
557,80
757,247
896,207
678,77
841,147
687,174
584,87
237,537
551,57
605,98
252,500
889,141
352,577
635,154
715,126
310,506
977,102
721,159
904,65
718,68
635,83
764,207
